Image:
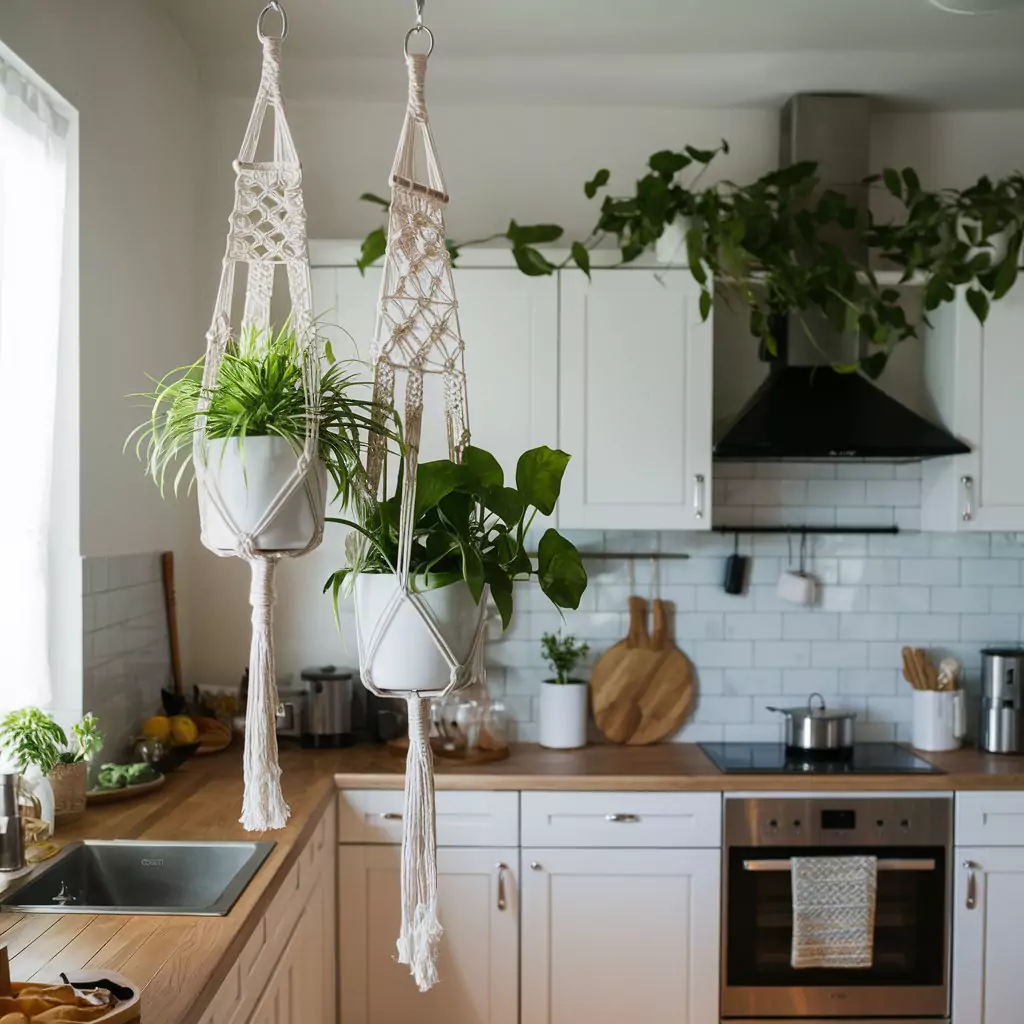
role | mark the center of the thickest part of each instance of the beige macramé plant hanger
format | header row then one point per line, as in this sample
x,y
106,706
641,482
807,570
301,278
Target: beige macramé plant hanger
x,y
267,229
417,334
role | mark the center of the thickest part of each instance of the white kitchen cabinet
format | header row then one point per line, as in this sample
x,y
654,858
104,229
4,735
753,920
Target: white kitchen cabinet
x,y
973,372
611,935
510,327
635,401
478,964
988,983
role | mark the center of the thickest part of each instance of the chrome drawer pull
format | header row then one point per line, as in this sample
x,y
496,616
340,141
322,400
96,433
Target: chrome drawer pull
x,y
967,483
502,868
629,819
884,864
391,816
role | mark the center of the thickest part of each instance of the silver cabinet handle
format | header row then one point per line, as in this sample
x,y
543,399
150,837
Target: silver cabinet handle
x,y
967,483
698,496
972,884
628,819
502,868
534,866
391,816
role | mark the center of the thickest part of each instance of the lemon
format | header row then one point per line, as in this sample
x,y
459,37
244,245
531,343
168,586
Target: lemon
x,y
183,730
157,728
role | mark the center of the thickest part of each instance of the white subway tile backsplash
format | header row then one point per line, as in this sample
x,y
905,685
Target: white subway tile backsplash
x,y
868,682
700,626
989,629
930,572
1008,599
960,599
991,572
958,545
753,626
802,682
751,681
865,471
814,625
868,627
839,654
920,629
1007,545
836,492
844,599
898,599
788,470
782,653
762,733
878,571
720,710
724,653
894,493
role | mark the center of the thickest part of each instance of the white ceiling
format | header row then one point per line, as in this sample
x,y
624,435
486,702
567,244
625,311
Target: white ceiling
x,y
673,52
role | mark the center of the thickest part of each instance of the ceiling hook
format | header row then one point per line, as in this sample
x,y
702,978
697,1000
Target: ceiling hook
x,y
419,13
277,8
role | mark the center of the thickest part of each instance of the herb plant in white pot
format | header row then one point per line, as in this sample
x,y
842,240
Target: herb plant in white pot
x,y
563,699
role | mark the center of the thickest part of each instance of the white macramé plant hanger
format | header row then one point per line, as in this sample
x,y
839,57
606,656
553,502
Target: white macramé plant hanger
x,y
267,229
417,334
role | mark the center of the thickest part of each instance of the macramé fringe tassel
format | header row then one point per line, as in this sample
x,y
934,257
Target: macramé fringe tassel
x,y
421,931
263,806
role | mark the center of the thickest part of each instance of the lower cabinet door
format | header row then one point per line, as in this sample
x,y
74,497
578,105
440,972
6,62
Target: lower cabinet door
x,y
620,935
988,930
478,964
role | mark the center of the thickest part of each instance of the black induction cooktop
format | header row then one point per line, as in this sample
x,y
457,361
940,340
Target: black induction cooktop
x,y
777,758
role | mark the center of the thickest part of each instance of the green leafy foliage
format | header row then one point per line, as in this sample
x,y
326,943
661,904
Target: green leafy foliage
x,y
775,243
469,526
259,392
31,736
563,654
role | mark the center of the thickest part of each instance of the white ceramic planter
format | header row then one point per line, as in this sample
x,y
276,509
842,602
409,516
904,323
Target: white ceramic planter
x,y
407,660
563,714
670,248
249,480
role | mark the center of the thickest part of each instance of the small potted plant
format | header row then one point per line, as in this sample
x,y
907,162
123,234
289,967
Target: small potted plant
x,y
563,699
256,424
469,538
31,737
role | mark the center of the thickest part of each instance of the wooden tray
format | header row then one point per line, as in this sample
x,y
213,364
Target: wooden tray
x,y
400,747
110,796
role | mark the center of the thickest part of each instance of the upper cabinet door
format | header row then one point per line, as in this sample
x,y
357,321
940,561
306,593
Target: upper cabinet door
x,y
974,374
635,401
510,327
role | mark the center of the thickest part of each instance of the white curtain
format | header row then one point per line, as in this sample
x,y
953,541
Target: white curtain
x,y
33,195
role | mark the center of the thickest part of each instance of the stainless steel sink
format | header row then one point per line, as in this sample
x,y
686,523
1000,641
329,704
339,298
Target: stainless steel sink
x,y
139,877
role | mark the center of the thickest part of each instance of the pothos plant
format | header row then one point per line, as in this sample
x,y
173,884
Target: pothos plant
x,y
775,243
471,526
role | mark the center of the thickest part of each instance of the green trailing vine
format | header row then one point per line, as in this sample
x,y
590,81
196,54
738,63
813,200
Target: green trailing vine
x,y
776,244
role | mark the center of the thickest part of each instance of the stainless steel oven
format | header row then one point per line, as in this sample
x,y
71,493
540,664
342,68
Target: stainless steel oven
x,y
909,975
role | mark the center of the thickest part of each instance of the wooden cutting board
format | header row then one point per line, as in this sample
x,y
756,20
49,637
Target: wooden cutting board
x,y
641,690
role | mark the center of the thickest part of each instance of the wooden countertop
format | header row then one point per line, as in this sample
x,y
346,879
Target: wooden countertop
x,y
664,768
181,961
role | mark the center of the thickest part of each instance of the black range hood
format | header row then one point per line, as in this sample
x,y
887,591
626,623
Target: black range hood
x,y
808,412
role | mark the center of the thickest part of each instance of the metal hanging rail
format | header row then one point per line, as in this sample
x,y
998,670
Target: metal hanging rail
x,y
888,530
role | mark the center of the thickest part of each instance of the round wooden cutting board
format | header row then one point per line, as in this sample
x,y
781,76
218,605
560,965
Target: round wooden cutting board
x,y
641,690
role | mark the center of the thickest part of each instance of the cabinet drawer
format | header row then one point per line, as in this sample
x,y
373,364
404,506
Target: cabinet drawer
x,y
463,818
990,819
622,819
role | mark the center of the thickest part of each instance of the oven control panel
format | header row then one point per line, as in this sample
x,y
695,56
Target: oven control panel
x,y
838,821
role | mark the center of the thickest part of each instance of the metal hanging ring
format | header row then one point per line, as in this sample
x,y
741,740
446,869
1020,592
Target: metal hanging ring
x,y
274,5
415,30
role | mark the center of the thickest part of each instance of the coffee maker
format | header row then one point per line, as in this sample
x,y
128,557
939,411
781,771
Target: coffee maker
x,y
1002,700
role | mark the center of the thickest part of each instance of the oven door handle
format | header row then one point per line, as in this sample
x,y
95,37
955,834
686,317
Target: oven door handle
x,y
884,864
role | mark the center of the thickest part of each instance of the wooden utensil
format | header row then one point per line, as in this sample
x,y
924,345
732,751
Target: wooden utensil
x,y
5,972
641,690
171,606
909,667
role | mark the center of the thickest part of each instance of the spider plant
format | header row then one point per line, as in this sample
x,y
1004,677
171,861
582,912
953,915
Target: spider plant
x,y
259,392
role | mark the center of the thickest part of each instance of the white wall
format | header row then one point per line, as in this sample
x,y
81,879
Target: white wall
x,y
135,84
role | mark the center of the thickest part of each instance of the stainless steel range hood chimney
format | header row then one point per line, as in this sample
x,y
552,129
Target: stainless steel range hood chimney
x,y
804,410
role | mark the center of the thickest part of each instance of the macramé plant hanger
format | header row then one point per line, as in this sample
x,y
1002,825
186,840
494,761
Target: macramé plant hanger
x,y
413,642
267,230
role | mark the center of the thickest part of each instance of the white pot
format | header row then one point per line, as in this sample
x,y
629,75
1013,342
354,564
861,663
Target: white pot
x,y
248,479
407,659
670,248
563,714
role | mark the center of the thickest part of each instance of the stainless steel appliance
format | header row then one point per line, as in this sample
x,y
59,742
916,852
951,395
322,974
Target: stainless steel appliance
x,y
291,713
1002,700
909,978
328,711
12,840
817,728
778,759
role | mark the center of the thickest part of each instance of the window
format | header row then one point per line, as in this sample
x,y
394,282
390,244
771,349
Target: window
x,y
36,136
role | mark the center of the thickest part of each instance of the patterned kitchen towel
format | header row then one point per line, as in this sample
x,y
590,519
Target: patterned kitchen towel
x,y
834,911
